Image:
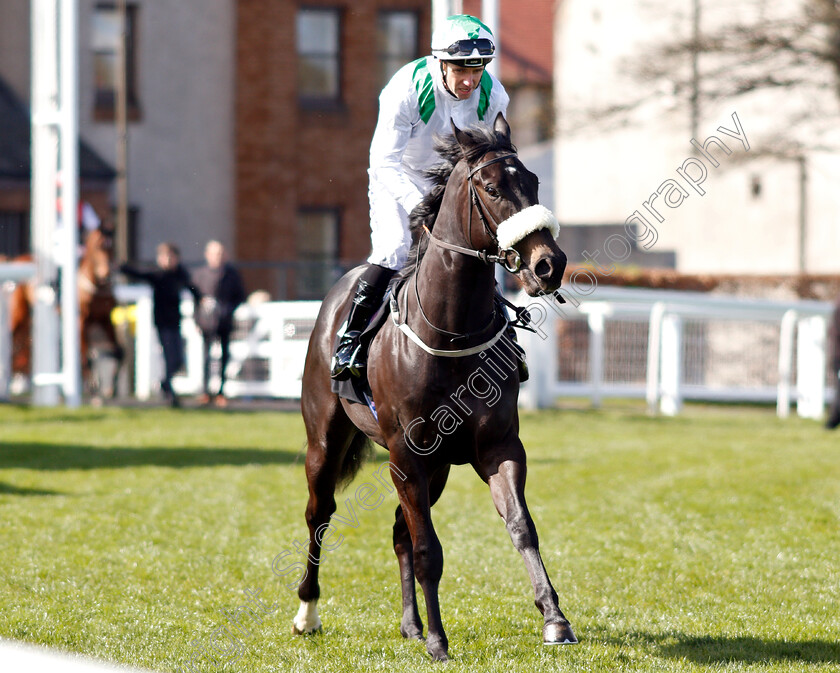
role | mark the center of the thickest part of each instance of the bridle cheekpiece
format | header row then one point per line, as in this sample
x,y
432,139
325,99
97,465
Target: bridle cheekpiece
x,y
508,232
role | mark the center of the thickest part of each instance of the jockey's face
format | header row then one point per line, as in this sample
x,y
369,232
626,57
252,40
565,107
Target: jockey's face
x,y
460,80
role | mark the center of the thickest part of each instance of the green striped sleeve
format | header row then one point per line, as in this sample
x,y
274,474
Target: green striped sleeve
x,y
425,89
484,95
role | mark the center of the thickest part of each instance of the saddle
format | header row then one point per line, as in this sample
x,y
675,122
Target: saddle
x,y
357,389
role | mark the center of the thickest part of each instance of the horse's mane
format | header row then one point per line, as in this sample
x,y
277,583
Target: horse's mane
x,y
482,139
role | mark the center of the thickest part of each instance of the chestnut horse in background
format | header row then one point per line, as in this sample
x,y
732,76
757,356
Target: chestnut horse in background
x,y
97,336
98,341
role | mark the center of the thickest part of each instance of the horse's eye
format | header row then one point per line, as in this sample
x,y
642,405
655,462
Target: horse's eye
x,y
491,190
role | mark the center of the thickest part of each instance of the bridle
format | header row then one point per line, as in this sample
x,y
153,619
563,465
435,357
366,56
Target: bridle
x,y
502,255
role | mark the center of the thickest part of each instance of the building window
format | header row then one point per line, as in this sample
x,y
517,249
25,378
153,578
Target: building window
x,y
396,42
105,41
319,55
14,233
317,245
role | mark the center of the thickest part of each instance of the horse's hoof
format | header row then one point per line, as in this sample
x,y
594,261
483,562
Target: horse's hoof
x,y
559,634
298,632
307,620
437,649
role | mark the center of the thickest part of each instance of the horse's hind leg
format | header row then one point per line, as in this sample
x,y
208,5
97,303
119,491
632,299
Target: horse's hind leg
x,y
506,476
411,625
325,467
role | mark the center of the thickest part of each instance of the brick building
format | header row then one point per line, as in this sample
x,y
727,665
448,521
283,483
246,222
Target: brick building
x,y
304,120
305,117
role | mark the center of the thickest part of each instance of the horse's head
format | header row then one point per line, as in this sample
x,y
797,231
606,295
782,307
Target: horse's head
x,y
98,256
516,231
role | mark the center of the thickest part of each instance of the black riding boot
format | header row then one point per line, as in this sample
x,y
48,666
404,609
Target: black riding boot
x,y
349,360
510,335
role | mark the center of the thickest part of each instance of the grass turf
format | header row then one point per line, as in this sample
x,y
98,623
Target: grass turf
x,y
704,542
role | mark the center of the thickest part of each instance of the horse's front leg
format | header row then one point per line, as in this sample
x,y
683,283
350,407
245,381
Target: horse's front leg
x,y
410,625
505,474
427,556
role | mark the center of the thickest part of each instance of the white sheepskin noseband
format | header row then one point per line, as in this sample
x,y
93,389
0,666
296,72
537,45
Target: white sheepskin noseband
x,y
532,218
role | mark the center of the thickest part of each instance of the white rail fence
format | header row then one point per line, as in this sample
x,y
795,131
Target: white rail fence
x,y
662,346
267,349
670,346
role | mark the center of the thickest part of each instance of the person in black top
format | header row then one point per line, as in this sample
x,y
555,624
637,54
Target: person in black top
x,y
167,282
222,291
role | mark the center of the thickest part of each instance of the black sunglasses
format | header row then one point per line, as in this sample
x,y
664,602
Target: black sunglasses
x,y
465,47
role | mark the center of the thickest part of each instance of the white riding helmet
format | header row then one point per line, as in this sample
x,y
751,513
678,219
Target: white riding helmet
x,y
465,39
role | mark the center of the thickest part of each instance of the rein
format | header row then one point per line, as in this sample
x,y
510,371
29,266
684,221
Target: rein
x,y
532,221
483,255
501,257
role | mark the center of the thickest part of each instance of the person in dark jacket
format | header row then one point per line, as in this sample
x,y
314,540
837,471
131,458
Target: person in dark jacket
x,y
834,345
222,291
167,282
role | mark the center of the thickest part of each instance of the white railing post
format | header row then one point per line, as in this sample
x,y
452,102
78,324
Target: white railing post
x,y
810,367
595,320
541,350
144,340
786,334
190,384
654,356
671,367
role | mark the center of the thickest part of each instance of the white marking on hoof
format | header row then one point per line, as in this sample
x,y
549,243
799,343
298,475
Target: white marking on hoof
x,y
307,619
559,634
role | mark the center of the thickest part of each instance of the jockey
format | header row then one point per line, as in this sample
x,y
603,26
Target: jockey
x,y
415,106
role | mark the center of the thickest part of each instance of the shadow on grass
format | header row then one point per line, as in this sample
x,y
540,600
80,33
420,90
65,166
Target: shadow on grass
x,y
742,649
9,489
750,650
40,456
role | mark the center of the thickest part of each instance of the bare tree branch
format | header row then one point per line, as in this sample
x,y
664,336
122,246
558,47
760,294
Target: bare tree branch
x,y
798,56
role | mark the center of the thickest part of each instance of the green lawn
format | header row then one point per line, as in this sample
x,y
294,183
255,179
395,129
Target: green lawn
x,y
710,541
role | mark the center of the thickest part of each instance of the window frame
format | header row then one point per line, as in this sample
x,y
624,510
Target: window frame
x,y
104,100
329,260
401,59
326,101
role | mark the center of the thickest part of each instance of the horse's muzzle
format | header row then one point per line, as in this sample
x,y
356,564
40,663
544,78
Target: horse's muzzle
x,y
543,263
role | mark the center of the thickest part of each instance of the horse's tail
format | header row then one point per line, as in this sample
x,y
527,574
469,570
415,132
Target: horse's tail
x,y
360,449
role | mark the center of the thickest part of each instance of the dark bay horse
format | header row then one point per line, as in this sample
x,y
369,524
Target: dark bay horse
x,y
435,357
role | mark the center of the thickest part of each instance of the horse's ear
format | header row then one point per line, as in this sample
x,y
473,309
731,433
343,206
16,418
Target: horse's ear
x,y
462,138
500,125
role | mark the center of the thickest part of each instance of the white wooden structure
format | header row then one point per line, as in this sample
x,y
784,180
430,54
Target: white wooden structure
x,y
662,346
685,346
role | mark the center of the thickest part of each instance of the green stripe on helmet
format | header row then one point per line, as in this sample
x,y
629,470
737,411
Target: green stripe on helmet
x,y
470,24
422,79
